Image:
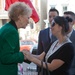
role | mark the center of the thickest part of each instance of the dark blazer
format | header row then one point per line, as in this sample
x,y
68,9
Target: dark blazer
x,y
44,40
72,69
9,50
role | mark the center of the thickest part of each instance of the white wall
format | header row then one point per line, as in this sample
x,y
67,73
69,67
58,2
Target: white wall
x,y
60,3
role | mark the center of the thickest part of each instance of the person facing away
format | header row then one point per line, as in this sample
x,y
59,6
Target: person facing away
x,y
19,14
45,36
60,55
71,35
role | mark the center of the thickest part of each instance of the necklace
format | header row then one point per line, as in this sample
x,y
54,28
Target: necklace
x,y
55,46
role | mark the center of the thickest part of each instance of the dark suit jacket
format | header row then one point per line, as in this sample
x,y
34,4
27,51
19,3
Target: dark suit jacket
x,y
72,69
44,40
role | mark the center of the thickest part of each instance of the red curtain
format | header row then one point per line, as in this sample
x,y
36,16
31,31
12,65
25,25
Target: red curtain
x,y
34,15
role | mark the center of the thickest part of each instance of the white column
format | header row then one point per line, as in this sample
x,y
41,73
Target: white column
x,y
0,23
43,13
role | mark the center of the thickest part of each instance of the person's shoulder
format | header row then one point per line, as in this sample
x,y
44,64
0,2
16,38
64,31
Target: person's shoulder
x,y
7,26
73,33
46,29
74,30
7,29
68,46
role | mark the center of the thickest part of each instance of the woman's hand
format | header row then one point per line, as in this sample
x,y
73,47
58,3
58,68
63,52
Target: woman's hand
x,y
28,55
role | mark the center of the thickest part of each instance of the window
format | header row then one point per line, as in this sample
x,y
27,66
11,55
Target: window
x,y
52,6
64,8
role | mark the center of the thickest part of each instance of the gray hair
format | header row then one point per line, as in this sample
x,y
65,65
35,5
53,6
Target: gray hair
x,y
19,8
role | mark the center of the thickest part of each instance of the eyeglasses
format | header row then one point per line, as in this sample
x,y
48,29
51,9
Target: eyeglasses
x,y
69,19
53,24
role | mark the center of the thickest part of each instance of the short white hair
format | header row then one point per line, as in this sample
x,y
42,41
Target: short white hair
x,y
19,8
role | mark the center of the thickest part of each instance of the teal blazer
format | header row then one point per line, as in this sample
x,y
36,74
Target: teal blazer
x,y
9,50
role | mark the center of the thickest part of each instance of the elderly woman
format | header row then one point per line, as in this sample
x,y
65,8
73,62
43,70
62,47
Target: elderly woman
x,y
19,14
61,52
